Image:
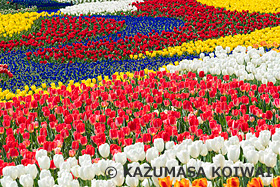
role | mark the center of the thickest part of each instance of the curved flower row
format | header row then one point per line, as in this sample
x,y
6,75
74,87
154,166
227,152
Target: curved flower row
x,y
269,6
244,63
100,7
22,10
268,37
42,4
215,157
15,23
58,31
261,65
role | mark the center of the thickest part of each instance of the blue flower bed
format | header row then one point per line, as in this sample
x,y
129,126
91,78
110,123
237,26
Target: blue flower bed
x,y
30,73
33,73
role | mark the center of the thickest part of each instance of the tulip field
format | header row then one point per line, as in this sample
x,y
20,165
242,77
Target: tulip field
x,y
147,93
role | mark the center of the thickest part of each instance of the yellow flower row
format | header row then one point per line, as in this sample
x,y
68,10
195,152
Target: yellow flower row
x,y
15,23
6,95
267,6
268,37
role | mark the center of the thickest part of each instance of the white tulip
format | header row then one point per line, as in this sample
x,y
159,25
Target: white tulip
x,y
203,150
58,159
274,146
65,166
266,180
11,171
85,160
217,143
119,179
151,154
252,156
41,153
209,184
171,163
169,145
208,143
26,180
192,164
75,170
233,153
170,154
194,151
47,181
120,157
270,159
6,180
21,170
159,161
258,145
32,170
65,175
219,160
45,173
262,68
223,151
104,150
72,161
264,137
96,169
276,135
44,162
135,152
202,55
86,172
63,181
183,156
159,144
131,181
233,140
103,165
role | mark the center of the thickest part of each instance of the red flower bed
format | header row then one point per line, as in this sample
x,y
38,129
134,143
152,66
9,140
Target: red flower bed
x,y
163,105
68,29
206,21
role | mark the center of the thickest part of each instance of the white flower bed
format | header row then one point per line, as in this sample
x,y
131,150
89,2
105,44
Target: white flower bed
x,y
82,1
261,152
246,64
100,7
